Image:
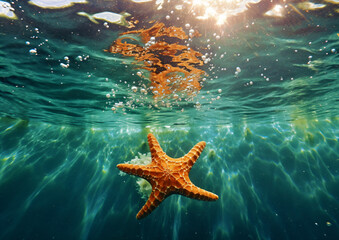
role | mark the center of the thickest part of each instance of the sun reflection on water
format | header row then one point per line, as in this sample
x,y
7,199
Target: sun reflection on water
x,y
218,10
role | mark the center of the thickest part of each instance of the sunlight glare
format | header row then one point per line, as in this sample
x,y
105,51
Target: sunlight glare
x,y
276,11
219,10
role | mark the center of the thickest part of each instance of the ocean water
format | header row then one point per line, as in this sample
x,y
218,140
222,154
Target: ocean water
x,y
267,110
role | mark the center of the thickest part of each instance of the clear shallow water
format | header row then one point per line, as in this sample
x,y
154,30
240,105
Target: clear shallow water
x,y
274,182
271,130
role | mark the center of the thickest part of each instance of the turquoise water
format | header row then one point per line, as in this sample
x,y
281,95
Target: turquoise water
x,y
272,152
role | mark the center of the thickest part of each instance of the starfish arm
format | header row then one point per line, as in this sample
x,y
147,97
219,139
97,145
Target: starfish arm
x,y
147,172
154,146
136,170
192,156
195,192
153,201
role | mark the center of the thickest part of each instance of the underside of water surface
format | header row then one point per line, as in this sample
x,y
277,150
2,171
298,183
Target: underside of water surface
x,y
82,84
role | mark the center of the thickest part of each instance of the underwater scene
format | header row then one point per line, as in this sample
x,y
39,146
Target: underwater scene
x,y
169,119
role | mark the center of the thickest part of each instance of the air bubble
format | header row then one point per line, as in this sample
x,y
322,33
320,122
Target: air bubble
x,y
119,105
64,65
134,89
33,51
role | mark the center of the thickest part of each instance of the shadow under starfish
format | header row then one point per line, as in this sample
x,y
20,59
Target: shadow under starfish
x,y
168,176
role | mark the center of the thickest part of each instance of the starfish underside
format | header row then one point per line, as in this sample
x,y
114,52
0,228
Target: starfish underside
x,y
168,176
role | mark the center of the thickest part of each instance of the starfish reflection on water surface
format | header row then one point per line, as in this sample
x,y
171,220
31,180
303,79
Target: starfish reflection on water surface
x,y
168,176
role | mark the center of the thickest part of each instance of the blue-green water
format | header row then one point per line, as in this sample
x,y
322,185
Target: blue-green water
x,y
272,129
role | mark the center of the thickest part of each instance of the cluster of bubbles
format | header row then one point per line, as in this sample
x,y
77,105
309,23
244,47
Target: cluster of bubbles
x,y
34,37
78,59
39,42
140,96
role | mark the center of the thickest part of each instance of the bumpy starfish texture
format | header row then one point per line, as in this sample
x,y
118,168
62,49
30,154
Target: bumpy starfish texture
x,y
168,176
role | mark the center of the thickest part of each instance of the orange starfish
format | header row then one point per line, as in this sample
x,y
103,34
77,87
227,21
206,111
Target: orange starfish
x,y
168,176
